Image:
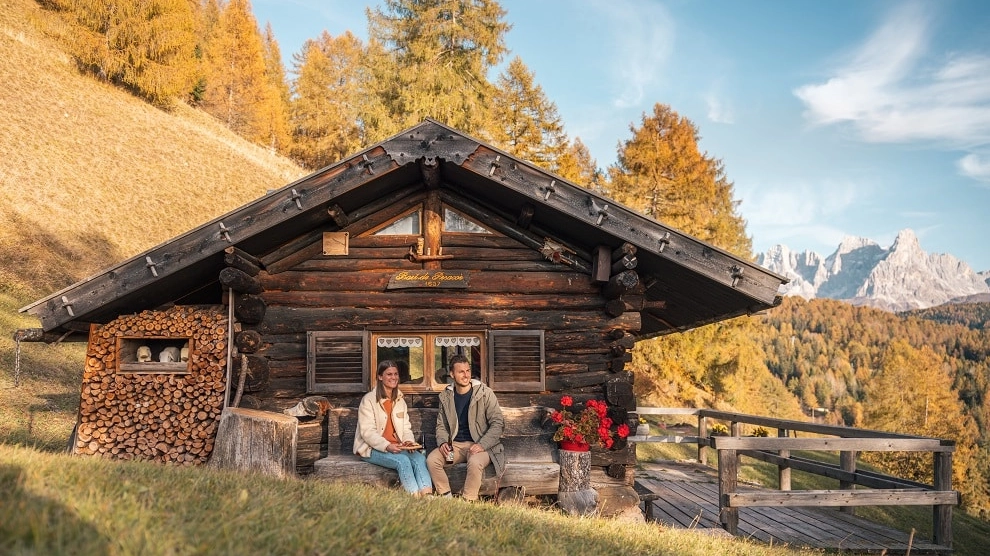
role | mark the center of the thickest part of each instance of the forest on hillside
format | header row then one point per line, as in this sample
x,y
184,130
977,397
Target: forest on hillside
x,y
924,372
920,373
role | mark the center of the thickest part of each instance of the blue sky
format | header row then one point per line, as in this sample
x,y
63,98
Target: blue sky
x,y
845,117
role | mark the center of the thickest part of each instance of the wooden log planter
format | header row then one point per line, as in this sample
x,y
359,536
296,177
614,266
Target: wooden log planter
x,y
154,410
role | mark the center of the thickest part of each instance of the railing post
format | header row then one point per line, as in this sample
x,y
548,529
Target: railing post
x,y
728,468
702,440
783,469
942,513
847,461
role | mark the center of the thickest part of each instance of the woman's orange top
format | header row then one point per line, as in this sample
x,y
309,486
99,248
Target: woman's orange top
x,y
389,432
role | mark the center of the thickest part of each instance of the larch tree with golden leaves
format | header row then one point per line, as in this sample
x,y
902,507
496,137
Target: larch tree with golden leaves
x,y
662,173
578,166
144,45
276,113
525,122
440,53
912,393
328,96
237,90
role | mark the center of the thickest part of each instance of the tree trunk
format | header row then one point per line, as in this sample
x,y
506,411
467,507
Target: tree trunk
x,y
576,497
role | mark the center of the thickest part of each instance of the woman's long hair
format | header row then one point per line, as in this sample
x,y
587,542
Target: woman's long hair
x,y
379,389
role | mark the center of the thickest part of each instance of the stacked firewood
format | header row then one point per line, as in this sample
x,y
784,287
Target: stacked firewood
x,y
169,417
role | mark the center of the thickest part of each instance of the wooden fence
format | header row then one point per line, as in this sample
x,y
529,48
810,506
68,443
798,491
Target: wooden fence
x,y
879,489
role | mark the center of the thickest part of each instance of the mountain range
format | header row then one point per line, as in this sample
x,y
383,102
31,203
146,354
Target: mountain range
x,y
898,278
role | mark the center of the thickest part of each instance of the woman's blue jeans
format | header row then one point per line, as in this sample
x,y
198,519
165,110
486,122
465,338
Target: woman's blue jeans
x,y
410,464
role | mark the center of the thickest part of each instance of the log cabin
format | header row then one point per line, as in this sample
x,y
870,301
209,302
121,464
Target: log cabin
x,y
428,244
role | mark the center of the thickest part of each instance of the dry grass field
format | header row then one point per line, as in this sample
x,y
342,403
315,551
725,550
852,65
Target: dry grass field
x,y
90,175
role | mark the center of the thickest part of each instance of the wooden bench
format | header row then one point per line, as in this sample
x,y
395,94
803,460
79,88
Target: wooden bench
x,y
531,453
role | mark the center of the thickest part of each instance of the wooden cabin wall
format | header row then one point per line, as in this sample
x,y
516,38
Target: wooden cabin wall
x,y
511,286
148,413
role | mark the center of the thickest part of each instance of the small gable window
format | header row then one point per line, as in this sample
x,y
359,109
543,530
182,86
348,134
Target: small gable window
x,y
408,225
455,222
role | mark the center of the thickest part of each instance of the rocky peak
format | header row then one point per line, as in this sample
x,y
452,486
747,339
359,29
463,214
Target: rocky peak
x,y
862,272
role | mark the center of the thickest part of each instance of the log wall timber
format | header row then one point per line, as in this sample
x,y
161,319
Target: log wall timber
x,y
511,285
168,417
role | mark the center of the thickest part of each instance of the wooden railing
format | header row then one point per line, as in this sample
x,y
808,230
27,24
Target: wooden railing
x,y
880,489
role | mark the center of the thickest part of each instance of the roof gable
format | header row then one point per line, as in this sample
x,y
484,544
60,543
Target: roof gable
x,y
697,282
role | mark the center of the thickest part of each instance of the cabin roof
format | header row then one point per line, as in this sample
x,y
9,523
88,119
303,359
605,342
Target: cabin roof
x,y
698,282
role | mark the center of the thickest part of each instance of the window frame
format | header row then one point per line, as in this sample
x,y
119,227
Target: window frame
x,y
488,359
431,383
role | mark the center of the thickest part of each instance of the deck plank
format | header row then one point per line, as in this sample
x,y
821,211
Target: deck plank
x,y
690,501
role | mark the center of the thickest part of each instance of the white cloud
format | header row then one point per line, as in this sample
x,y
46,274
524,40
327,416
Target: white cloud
x,y
717,111
893,89
975,167
800,213
642,38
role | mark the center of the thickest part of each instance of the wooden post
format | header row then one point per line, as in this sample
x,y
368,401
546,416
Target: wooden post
x,y
847,461
942,514
575,495
783,469
703,442
728,467
601,264
433,227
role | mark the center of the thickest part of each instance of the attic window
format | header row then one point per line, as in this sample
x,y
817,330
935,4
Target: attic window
x,y
407,225
456,222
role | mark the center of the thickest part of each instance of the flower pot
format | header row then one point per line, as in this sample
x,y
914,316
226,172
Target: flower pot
x,y
643,430
574,446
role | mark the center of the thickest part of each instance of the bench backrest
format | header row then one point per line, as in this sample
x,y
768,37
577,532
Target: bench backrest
x,y
528,434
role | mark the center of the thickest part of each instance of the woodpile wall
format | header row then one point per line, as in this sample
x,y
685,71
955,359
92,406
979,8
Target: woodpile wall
x,y
160,415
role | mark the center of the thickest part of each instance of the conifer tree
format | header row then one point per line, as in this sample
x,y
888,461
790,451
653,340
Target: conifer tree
x,y
577,165
276,113
912,394
237,90
206,14
145,45
442,51
661,172
325,110
525,122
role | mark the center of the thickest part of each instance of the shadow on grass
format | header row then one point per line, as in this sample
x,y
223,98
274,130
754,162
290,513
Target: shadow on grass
x,y
37,525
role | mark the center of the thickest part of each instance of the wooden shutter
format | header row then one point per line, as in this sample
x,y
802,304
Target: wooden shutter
x,y
516,362
336,362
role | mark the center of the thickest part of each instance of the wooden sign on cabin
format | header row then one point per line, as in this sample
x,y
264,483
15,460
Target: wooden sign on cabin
x,y
427,279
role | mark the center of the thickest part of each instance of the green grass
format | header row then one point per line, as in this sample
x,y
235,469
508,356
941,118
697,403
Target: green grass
x,y
58,504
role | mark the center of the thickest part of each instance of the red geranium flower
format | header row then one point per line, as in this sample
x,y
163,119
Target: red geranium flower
x,y
591,424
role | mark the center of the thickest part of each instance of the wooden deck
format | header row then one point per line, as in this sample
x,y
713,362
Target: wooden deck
x,y
688,499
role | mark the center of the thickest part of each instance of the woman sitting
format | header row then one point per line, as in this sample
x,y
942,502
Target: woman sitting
x,y
384,434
